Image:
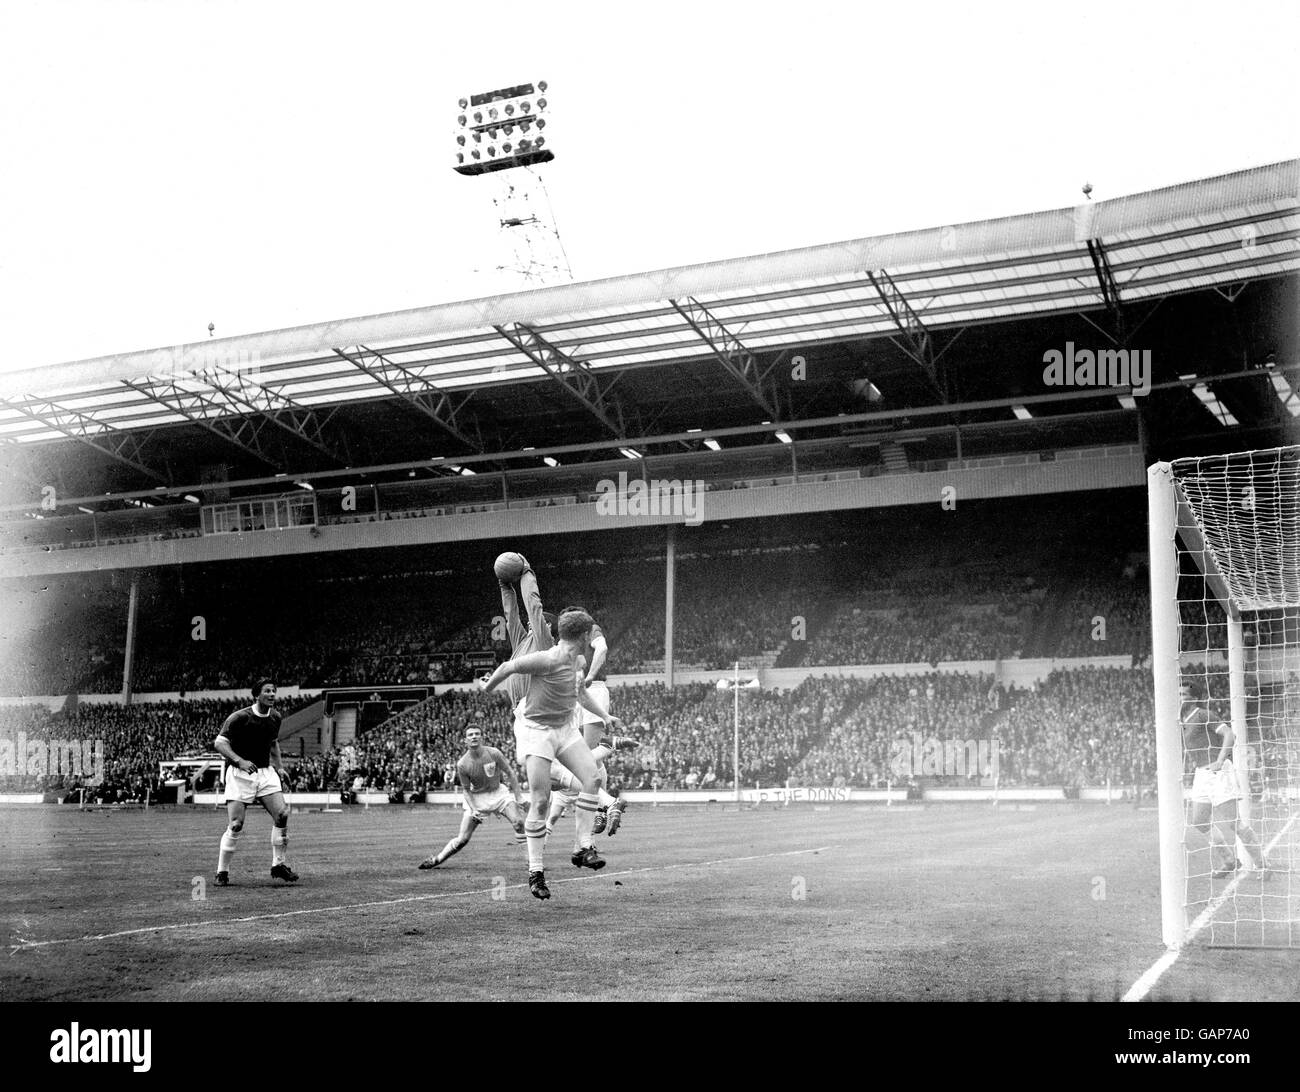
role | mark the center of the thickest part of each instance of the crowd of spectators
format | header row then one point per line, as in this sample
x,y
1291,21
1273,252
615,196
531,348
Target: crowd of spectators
x,y
1106,613
1075,729
410,752
727,609
1079,728
135,739
909,591
869,715
931,617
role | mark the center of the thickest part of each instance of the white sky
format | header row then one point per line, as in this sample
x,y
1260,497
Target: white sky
x,y
169,163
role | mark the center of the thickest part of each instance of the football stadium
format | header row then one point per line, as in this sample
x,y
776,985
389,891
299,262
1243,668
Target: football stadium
x,y
800,504
902,549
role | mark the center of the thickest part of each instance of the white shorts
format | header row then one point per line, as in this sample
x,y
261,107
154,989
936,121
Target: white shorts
x,y
248,788
601,692
488,803
532,738
1215,788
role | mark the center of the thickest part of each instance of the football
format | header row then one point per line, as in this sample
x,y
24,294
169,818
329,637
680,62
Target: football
x,y
509,567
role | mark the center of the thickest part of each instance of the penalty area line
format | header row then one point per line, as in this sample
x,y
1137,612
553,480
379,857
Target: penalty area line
x,y
1151,976
433,897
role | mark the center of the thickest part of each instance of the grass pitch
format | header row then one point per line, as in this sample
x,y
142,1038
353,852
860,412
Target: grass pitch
x,y
777,904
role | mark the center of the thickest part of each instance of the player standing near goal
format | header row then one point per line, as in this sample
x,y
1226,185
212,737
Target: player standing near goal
x,y
546,730
249,741
1215,789
480,771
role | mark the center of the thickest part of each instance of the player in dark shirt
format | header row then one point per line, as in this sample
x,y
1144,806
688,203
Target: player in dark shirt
x,y
249,741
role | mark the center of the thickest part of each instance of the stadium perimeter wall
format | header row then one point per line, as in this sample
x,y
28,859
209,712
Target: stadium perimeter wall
x,y
1046,794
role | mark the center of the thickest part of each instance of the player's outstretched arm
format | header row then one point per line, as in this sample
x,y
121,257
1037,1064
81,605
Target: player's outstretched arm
x,y
510,609
528,588
532,664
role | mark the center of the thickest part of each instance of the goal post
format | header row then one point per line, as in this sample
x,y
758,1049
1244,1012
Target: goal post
x,y
1224,537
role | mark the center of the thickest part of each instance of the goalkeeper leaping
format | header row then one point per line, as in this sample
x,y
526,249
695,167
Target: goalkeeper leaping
x,y
546,731
1215,788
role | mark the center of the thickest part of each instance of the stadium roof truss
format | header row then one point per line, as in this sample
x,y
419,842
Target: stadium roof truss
x,y
241,411
443,409
573,374
733,354
744,313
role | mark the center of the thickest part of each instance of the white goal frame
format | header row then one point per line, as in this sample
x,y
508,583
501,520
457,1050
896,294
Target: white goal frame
x,y
1170,519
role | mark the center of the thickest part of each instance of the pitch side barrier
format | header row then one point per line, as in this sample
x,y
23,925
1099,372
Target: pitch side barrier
x,y
795,795
802,795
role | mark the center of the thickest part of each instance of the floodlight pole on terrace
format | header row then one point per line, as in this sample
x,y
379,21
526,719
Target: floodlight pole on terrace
x,y
498,132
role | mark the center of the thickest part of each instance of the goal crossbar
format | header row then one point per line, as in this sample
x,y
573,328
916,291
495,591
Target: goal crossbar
x,y
1224,535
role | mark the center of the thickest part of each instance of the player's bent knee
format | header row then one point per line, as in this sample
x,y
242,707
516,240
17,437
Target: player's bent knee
x,y
281,818
236,825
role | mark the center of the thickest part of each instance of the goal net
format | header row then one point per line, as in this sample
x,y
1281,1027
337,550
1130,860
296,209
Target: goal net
x,y
1225,604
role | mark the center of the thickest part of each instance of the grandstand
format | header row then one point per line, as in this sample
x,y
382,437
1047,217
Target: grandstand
x,y
959,554
836,532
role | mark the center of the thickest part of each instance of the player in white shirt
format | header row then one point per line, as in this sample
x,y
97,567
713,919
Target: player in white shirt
x,y
610,813
546,731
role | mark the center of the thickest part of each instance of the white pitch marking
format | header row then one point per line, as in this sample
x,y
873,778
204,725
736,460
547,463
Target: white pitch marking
x,y
24,946
1151,976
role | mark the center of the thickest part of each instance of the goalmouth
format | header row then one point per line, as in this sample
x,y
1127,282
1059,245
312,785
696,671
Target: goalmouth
x,y
1225,609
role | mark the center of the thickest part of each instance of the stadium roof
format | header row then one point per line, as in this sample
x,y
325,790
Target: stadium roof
x,y
1210,233
935,339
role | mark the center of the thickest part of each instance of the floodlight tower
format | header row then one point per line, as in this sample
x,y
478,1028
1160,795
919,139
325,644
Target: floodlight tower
x,y
502,137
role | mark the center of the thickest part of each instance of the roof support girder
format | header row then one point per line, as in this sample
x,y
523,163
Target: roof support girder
x,y
733,354
919,342
222,401
120,444
218,414
572,374
1110,294
442,408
